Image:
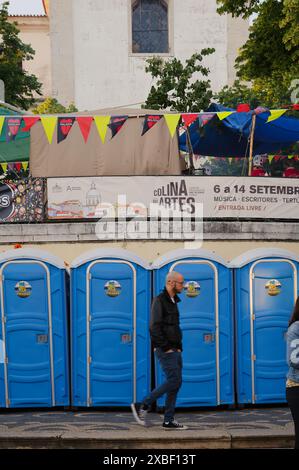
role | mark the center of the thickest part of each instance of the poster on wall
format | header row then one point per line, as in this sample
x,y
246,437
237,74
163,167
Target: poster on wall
x,y
124,197
22,200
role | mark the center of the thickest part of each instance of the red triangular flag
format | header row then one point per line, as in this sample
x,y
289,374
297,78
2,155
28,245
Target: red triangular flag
x,y
204,118
29,122
85,126
189,118
18,166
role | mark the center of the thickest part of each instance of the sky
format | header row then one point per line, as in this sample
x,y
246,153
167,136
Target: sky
x,y
25,7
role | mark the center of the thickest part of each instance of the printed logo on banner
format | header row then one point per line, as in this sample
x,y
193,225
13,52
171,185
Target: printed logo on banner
x,y
273,287
7,206
23,289
112,288
191,289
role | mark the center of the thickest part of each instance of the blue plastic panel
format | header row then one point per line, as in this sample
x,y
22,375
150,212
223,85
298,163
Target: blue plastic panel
x,y
209,288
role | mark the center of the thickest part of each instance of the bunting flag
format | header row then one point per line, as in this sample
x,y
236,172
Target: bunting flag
x,y
13,125
29,122
172,121
188,119
49,124
18,166
204,118
149,122
224,114
116,123
85,126
102,123
2,119
4,167
25,165
270,158
64,126
275,114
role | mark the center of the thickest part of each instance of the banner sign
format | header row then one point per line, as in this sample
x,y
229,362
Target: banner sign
x,y
22,200
224,197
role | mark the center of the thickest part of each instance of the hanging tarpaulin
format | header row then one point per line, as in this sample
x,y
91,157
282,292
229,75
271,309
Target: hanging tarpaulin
x,y
64,126
149,122
12,127
188,119
172,121
116,123
102,123
85,126
49,124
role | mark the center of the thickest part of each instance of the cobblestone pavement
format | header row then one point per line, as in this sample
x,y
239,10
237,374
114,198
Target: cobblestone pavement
x,y
90,421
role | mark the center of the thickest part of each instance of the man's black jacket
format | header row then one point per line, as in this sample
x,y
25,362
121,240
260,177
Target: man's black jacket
x,y
165,324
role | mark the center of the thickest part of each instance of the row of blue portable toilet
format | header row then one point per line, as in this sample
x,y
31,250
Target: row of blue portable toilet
x,y
234,318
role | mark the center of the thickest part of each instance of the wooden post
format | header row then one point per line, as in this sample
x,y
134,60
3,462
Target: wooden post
x,y
251,144
190,150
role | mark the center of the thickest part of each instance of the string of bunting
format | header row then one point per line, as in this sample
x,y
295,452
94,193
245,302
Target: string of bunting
x,y
14,166
63,125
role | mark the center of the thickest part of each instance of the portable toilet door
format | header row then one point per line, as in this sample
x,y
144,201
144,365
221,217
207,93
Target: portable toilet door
x,y
266,288
34,368
207,327
110,340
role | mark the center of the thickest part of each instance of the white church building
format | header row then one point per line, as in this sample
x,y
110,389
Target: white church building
x,y
99,47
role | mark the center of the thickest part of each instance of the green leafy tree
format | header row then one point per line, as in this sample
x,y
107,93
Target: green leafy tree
x,y
20,86
177,88
268,61
52,106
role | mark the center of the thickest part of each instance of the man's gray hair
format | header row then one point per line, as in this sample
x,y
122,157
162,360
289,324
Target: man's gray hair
x,y
172,276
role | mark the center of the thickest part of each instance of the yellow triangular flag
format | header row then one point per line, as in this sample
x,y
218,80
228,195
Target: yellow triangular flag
x,y
275,114
4,167
25,165
172,122
49,124
270,158
224,114
2,118
290,157
102,126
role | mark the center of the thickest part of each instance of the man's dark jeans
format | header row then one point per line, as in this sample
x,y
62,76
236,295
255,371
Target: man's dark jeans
x,y
171,364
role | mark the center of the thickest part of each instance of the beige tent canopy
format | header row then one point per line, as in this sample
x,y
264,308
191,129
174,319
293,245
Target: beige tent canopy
x,y
128,153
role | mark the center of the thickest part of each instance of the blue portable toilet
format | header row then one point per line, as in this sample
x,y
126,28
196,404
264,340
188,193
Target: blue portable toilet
x,y
266,287
34,335
207,326
110,302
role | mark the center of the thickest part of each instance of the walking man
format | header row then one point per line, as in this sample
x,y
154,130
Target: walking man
x,y
166,338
